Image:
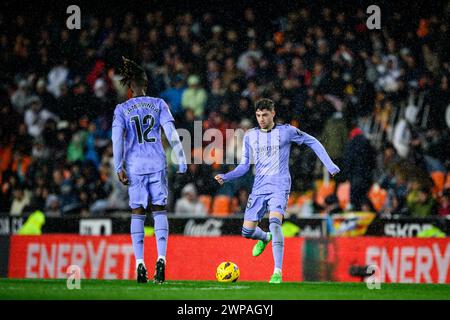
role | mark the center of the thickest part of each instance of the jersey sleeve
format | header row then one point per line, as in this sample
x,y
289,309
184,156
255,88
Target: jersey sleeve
x,y
243,166
296,135
301,137
246,151
174,140
118,119
118,130
166,115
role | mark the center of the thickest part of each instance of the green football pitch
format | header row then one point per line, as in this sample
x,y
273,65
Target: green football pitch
x,y
210,290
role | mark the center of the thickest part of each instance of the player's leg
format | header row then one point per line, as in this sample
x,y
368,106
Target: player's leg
x,y
161,225
256,208
275,220
277,206
158,191
138,203
262,243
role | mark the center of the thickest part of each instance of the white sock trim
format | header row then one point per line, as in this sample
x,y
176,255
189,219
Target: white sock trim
x,y
162,257
277,270
139,261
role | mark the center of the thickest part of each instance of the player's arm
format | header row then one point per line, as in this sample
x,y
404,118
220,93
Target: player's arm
x,y
118,131
167,123
241,169
301,137
174,140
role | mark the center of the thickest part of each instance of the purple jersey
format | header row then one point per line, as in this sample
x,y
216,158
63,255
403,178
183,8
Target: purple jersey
x,y
140,119
270,151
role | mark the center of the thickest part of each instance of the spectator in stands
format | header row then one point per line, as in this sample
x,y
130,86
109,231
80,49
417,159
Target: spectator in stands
x,y
111,194
367,206
21,98
38,198
359,162
48,100
199,175
10,120
76,148
173,96
36,117
90,146
421,203
439,99
230,72
390,74
40,153
386,162
6,152
216,98
332,205
194,97
189,205
248,57
57,77
52,206
444,203
69,197
21,199
335,137
242,200
20,164
22,140
397,206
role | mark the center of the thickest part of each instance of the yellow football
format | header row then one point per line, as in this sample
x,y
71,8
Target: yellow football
x,y
227,272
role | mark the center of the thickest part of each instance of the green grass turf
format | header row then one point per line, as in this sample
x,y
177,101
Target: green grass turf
x,y
210,290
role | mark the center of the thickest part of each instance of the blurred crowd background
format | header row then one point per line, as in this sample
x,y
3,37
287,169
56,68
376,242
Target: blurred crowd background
x,y
376,99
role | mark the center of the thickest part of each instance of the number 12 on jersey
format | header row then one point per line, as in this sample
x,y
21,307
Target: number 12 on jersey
x,y
147,120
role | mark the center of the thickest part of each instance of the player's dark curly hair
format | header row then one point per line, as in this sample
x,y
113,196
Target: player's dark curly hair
x,y
131,71
264,104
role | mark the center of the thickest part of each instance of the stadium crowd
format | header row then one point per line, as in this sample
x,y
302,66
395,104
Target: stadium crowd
x,y
327,72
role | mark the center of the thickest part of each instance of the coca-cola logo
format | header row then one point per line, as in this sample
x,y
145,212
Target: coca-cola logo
x,y
210,227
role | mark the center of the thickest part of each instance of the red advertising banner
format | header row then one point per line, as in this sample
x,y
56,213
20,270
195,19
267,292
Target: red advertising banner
x,y
406,260
111,257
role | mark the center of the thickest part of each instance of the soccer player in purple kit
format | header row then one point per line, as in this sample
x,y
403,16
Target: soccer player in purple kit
x,y
136,138
268,147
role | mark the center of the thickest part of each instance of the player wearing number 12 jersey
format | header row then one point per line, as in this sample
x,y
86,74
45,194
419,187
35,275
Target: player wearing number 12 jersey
x,y
140,162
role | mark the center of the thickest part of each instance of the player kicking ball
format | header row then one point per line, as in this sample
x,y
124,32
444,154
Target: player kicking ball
x,y
137,144
268,147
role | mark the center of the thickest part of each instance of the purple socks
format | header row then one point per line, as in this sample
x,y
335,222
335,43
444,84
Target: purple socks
x,y
277,242
161,232
137,235
256,234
